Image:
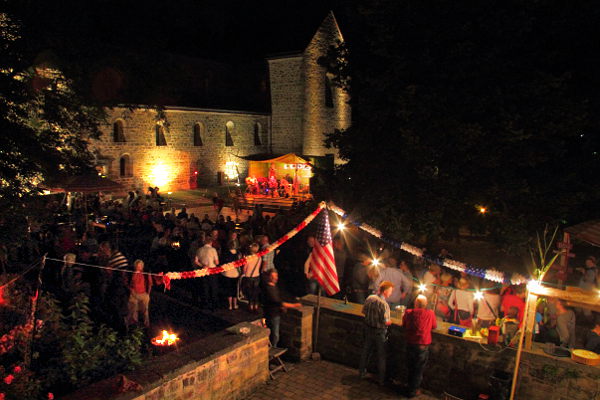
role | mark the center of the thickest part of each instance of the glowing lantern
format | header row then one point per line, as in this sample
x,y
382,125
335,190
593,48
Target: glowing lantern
x,y
166,339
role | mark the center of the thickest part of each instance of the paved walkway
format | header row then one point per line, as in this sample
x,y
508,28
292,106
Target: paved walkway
x,y
323,380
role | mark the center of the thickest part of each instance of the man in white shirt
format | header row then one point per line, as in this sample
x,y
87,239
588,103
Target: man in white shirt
x,y
403,286
267,259
207,257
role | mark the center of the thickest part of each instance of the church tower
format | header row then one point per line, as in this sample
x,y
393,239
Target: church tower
x,y
326,106
305,105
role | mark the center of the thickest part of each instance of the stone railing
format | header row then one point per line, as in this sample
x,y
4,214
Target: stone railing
x,y
459,366
227,365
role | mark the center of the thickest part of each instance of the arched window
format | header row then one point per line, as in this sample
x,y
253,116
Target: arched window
x,y
118,135
229,126
257,133
328,93
160,135
125,166
198,133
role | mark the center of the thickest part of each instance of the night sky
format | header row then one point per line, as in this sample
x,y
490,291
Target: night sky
x,y
216,29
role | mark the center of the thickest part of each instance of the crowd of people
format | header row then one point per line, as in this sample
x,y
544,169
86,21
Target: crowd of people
x,y
134,240
466,300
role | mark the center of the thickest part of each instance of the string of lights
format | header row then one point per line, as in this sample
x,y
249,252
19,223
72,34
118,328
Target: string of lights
x,y
488,274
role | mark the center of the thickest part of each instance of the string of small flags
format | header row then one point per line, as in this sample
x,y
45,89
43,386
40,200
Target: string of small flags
x,y
490,274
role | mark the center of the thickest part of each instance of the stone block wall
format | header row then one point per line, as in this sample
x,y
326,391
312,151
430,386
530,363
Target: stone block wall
x,y
287,103
172,167
226,366
318,119
456,365
296,333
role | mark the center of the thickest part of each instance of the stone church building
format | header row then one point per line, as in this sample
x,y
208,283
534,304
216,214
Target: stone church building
x,y
182,147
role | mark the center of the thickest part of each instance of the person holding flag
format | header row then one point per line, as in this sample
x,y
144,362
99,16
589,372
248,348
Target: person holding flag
x,y
321,262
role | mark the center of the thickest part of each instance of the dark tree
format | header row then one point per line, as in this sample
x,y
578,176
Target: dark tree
x,y
461,105
45,123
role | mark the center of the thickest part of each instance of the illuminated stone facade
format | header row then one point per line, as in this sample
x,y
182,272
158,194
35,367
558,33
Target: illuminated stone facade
x,y
304,103
187,147
184,161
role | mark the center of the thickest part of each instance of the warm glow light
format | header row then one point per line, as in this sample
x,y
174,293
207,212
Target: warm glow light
x,y
166,339
231,171
482,210
160,175
375,262
422,287
478,295
534,286
341,226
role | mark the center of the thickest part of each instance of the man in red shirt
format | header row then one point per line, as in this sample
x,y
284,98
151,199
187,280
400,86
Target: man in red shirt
x,y
418,324
139,294
514,296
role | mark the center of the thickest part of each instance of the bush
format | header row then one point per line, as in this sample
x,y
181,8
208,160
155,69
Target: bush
x,y
70,351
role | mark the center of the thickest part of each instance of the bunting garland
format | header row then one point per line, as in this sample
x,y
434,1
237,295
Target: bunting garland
x,y
488,274
198,273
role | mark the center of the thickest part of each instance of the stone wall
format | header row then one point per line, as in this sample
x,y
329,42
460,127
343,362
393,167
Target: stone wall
x,y
456,365
296,333
318,118
287,102
224,366
172,167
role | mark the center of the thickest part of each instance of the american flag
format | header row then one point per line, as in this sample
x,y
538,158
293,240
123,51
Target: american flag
x,y
321,261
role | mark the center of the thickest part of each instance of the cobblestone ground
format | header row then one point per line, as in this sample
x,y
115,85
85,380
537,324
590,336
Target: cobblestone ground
x,y
323,380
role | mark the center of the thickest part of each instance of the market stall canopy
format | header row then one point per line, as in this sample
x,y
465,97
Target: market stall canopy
x,y
289,158
588,231
87,184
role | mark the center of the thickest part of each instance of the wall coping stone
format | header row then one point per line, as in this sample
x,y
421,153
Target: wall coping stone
x,y
333,306
156,371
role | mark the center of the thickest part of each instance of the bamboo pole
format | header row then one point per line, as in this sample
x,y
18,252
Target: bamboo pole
x,y
513,388
529,320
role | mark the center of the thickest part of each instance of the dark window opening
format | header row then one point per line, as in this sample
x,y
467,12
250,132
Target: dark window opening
x,y
328,93
257,141
118,135
228,130
160,136
197,135
125,166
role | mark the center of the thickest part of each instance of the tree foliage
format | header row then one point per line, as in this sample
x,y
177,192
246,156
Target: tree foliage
x,y
45,123
458,105
70,350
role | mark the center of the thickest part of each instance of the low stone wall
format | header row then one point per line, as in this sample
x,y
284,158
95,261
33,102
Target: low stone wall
x,y
296,332
227,365
458,366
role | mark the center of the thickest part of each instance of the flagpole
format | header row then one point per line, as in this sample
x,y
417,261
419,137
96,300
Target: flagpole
x,y
315,354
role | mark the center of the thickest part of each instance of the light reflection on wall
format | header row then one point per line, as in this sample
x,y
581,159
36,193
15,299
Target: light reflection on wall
x,y
160,176
231,170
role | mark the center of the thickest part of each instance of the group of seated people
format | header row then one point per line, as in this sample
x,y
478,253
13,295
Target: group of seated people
x,y
271,186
